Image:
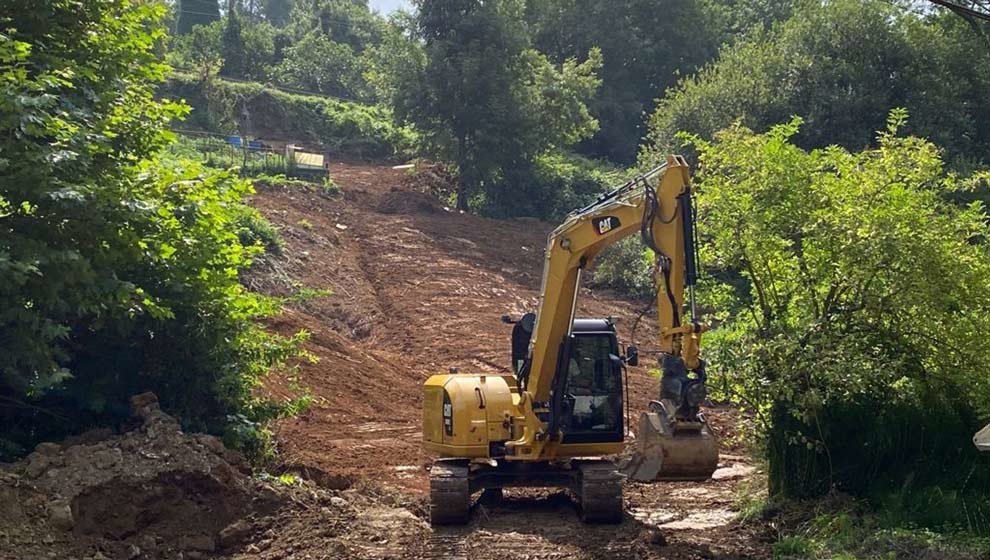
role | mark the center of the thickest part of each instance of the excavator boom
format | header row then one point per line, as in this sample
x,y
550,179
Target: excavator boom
x,y
673,441
558,419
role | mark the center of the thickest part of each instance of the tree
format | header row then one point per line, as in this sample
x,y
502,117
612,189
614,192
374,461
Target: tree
x,y
485,101
315,63
851,311
841,66
278,11
232,45
196,12
118,267
645,47
344,21
199,50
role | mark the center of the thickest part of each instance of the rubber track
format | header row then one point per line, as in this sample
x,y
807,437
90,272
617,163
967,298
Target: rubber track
x,y
600,493
450,497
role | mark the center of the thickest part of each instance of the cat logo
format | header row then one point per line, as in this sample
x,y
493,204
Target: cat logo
x,y
605,224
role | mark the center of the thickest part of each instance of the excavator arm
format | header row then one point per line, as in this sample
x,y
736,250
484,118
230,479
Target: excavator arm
x,y
656,205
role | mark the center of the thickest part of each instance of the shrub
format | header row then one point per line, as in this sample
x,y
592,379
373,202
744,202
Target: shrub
x,y
118,267
852,312
344,127
555,184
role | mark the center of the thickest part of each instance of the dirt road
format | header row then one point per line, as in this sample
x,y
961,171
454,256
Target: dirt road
x,y
417,289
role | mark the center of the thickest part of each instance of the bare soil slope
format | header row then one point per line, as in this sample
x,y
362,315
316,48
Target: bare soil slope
x,y
418,289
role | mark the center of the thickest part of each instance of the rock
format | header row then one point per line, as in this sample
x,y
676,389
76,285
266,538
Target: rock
x,y
143,403
132,552
148,542
37,465
234,533
48,449
60,516
212,443
201,543
657,538
337,501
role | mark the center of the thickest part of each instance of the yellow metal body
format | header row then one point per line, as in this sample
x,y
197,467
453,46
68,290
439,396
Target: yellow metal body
x,y
486,409
464,414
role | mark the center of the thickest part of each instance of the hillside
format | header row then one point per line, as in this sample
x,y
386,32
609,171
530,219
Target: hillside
x,y
418,289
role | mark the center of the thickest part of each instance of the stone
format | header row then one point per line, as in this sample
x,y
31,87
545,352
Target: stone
x,y
143,403
48,448
657,538
337,501
60,516
234,533
132,552
203,543
37,465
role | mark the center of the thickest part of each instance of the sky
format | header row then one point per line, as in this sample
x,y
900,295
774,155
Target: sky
x,y
386,6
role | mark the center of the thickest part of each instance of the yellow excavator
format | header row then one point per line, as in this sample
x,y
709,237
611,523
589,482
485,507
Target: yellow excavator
x,y
559,420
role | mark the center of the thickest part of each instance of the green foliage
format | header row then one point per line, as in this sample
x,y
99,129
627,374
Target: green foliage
x,y
199,50
850,532
645,49
343,21
553,185
487,102
317,64
118,268
841,66
626,268
232,46
851,311
345,127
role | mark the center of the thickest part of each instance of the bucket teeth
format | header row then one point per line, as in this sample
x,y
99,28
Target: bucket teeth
x,y
666,450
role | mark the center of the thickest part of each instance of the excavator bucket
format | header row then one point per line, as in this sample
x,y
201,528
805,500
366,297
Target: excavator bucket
x,y
665,450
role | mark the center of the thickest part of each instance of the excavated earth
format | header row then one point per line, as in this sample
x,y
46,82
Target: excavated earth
x,y
414,289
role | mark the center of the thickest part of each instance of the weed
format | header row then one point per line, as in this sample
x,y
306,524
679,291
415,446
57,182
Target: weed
x,y
330,188
305,294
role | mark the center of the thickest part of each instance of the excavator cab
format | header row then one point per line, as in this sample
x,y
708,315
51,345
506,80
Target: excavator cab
x,y
587,397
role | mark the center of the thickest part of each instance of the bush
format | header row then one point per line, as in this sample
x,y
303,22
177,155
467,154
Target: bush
x,y
118,268
851,309
626,267
554,185
345,127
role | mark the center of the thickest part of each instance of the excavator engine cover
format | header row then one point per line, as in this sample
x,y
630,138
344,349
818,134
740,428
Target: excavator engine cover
x,y
665,450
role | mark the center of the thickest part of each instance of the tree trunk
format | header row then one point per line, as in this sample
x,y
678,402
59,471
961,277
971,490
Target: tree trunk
x,y
462,202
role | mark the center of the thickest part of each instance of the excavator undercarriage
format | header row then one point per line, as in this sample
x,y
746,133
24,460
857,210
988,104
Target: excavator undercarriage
x,y
595,483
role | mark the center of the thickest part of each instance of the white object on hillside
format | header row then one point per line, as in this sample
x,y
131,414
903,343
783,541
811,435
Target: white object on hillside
x,y
982,439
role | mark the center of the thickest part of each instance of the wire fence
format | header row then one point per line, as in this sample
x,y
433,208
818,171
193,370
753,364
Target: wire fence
x,y
249,157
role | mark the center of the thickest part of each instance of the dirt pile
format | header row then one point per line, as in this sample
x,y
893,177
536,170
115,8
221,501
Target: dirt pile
x,y
155,492
400,201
